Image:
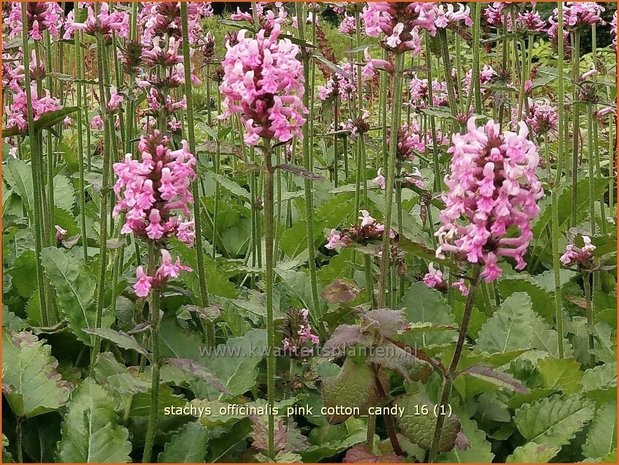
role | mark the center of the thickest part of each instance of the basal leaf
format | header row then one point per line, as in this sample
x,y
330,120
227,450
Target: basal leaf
x,y
91,432
75,289
188,445
487,373
561,374
554,421
602,435
533,452
120,338
30,380
510,326
542,300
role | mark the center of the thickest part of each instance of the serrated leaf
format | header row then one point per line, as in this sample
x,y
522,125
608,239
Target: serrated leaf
x,y
18,175
494,376
602,435
479,450
389,355
90,430
600,383
199,371
532,452
120,338
118,378
555,420
425,305
510,326
64,195
542,300
419,427
343,337
30,380
75,289
561,374
188,445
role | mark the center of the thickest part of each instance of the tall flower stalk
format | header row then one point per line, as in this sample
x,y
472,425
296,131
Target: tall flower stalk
x,y
271,108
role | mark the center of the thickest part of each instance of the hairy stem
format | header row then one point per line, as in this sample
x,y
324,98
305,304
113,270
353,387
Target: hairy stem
x,y
451,371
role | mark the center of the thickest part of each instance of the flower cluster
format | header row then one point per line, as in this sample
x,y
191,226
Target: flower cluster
x,y
583,14
17,109
492,197
154,191
367,231
104,22
340,85
448,16
41,16
348,25
542,118
434,279
579,256
407,179
399,23
409,141
167,270
160,18
299,337
268,14
263,81
418,89
486,75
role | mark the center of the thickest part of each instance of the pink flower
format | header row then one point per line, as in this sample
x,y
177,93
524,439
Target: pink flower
x,y
492,188
104,23
42,16
61,233
379,180
579,256
17,116
115,99
613,29
168,269
446,15
461,286
263,81
399,23
96,122
348,25
542,118
335,240
143,284
154,191
434,278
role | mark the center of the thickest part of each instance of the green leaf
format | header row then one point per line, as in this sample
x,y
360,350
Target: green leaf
x,y
51,118
64,195
75,289
118,378
555,420
479,450
425,305
602,435
418,426
30,380
565,204
188,445
120,338
6,455
542,300
510,326
561,374
236,361
496,377
230,185
90,430
18,175
532,452
600,383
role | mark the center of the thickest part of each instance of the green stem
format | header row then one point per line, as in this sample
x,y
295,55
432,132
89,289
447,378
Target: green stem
x,y
396,115
451,371
269,276
108,133
155,301
590,164
453,105
204,296
35,156
587,278
556,264
19,433
575,123
80,144
435,160
307,163
475,71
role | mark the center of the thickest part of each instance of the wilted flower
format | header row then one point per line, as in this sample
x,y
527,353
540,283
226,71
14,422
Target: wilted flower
x,y
543,118
492,189
263,81
368,231
299,337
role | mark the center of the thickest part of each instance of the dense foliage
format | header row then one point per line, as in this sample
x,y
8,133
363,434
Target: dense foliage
x,y
309,232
